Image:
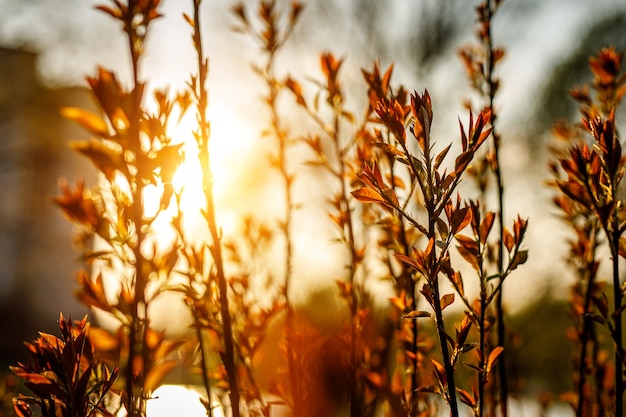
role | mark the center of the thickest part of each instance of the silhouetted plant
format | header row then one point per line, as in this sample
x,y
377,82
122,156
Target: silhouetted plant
x,y
445,218
65,376
135,156
271,37
335,153
480,62
589,179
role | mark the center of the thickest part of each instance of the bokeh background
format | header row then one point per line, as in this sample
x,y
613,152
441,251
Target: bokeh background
x,y
48,47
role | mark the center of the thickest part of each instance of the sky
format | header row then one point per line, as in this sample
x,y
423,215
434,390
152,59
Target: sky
x,y
73,39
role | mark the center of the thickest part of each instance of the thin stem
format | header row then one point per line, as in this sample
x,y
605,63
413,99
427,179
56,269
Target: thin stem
x,y
138,320
433,280
282,142
203,363
482,330
445,353
587,329
216,246
617,334
501,330
345,202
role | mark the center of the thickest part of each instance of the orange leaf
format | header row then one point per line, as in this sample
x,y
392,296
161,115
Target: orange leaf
x,y
493,357
90,121
157,374
367,195
466,397
446,300
416,314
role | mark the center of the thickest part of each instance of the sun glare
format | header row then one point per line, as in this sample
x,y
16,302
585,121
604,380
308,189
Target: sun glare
x,y
228,137
178,400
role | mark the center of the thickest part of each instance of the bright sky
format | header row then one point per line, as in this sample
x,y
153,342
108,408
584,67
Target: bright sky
x,y
74,38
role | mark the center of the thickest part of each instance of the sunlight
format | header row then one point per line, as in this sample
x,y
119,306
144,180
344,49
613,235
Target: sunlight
x,y
178,400
228,139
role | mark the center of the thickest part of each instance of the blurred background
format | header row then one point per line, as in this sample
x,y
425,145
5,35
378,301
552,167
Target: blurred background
x,y
48,47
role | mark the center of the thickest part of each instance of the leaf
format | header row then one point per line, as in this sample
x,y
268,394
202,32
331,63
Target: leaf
x,y
416,314
462,161
90,121
485,226
296,89
509,241
115,13
468,249
157,374
407,260
460,219
447,300
520,258
399,302
457,280
189,20
107,159
367,195
441,156
440,372
466,397
493,357
375,379
102,340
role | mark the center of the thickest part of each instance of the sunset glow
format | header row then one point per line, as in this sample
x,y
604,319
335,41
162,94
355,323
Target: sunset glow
x,y
178,400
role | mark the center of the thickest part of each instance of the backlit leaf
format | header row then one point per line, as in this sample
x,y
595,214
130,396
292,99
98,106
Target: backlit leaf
x,y
466,397
447,300
158,373
367,195
485,226
416,314
88,120
520,258
493,357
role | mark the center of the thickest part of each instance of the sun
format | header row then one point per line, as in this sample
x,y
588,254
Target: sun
x,y
228,138
178,400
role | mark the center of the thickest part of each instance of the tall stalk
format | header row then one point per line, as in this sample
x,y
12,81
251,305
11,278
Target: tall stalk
x,y
480,66
138,352
271,38
215,247
590,176
501,328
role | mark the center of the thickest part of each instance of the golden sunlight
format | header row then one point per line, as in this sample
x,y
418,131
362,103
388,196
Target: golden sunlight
x,y
228,138
178,400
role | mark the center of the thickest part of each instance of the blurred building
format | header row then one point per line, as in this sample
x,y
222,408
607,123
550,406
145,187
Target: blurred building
x,y
37,260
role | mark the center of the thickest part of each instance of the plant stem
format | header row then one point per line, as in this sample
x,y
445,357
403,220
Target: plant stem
x,y
587,329
138,320
216,246
203,363
482,336
355,410
282,142
445,353
433,280
501,330
617,300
